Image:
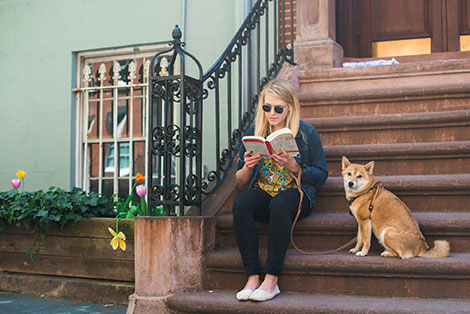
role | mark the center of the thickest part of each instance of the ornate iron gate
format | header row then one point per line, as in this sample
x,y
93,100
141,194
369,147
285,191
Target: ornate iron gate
x,y
174,160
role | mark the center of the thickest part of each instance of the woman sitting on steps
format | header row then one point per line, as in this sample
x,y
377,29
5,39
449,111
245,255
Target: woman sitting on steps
x,y
272,195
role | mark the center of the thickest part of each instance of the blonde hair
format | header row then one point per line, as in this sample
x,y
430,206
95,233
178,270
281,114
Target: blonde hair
x,y
284,91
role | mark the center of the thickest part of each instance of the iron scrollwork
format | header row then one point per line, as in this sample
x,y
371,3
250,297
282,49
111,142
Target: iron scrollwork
x,y
184,140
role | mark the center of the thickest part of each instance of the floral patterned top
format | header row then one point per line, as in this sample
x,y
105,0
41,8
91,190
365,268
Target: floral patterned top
x,y
273,178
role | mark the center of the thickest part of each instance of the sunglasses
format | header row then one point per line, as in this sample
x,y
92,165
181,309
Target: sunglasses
x,y
277,109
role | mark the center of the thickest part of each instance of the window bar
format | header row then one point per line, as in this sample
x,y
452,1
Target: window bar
x,y
149,154
145,116
86,82
102,78
79,137
116,77
131,77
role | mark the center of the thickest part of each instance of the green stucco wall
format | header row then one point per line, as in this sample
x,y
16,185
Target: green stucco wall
x,y
38,41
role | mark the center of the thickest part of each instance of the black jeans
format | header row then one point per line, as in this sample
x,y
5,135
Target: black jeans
x,y
255,205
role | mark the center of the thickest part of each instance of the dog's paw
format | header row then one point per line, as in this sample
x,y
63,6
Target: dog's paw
x,y
388,254
353,250
361,253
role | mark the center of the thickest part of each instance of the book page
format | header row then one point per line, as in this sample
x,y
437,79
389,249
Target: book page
x,y
255,144
273,135
287,141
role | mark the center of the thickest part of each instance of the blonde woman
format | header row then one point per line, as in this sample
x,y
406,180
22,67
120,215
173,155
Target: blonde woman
x,y
272,195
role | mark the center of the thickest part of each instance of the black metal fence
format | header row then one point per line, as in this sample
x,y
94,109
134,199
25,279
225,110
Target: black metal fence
x,y
229,91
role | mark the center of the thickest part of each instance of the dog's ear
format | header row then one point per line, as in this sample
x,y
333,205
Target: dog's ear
x,y
370,167
345,162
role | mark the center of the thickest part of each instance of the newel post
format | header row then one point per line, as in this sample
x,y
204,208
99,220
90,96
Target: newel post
x,y
169,255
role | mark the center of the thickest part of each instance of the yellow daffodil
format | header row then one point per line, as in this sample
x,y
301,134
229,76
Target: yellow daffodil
x,y
118,239
20,174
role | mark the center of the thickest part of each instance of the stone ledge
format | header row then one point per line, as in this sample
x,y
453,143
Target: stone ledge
x,y
455,182
295,303
89,290
394,120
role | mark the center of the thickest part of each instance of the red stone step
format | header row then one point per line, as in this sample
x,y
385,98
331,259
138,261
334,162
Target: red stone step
x,y
325,232
347,274
406,99
224,302
442,126
404,158
423,193
417,74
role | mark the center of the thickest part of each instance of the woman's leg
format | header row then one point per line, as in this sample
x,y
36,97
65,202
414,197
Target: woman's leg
x,y
248,207
283,209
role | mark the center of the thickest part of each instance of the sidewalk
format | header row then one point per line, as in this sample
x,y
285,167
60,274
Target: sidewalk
x,y
26,304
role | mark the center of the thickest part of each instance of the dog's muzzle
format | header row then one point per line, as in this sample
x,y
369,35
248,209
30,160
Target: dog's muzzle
x,y
350,184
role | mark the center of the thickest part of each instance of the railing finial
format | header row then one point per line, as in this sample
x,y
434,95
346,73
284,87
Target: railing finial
x,y
176,33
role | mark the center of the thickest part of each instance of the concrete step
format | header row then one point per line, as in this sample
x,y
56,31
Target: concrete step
x,y
423,193
442,126
326,232
347,274
224,302
442,97
404,158
416,74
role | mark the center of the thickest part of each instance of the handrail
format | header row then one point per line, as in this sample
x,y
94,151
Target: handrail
x,y
232,42
229,89
233,51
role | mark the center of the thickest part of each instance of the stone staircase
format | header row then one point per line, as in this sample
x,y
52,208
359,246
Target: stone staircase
x,y
413,119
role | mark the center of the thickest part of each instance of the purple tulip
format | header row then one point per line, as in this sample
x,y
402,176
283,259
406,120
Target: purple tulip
x,y
141,190
16,183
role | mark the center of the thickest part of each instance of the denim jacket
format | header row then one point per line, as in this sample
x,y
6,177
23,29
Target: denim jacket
x,y
311,159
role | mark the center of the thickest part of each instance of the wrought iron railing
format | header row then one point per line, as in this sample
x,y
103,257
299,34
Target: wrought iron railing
x,y
229,90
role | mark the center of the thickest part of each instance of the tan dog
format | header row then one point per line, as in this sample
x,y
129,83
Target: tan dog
x,y
390,219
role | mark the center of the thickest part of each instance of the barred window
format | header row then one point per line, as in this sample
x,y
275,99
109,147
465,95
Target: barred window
x,y
111,118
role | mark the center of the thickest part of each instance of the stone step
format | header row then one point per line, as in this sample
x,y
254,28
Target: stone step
x,y
347,274
404,158
326,232
416,74
218,301
423,193
442,126
443,97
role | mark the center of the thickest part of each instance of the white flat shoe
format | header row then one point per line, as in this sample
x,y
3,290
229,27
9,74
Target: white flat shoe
x,y
244,295
261,295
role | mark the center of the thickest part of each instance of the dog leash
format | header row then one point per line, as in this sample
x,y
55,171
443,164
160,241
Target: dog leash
x,y
299,209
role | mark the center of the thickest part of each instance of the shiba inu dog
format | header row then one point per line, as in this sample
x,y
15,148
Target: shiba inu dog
x,y
380,211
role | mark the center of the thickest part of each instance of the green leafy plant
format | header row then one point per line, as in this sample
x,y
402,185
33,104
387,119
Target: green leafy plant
x,y
40,211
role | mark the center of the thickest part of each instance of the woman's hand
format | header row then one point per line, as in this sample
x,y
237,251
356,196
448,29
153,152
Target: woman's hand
x,y
287,161
250,159
244,174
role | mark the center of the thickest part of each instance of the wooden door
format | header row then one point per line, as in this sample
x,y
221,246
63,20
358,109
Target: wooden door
x,y
361,23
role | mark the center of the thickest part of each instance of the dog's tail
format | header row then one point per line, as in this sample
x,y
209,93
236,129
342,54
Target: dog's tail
x,y
441,249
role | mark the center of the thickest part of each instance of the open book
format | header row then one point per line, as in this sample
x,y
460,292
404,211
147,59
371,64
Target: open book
x,y
273,144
